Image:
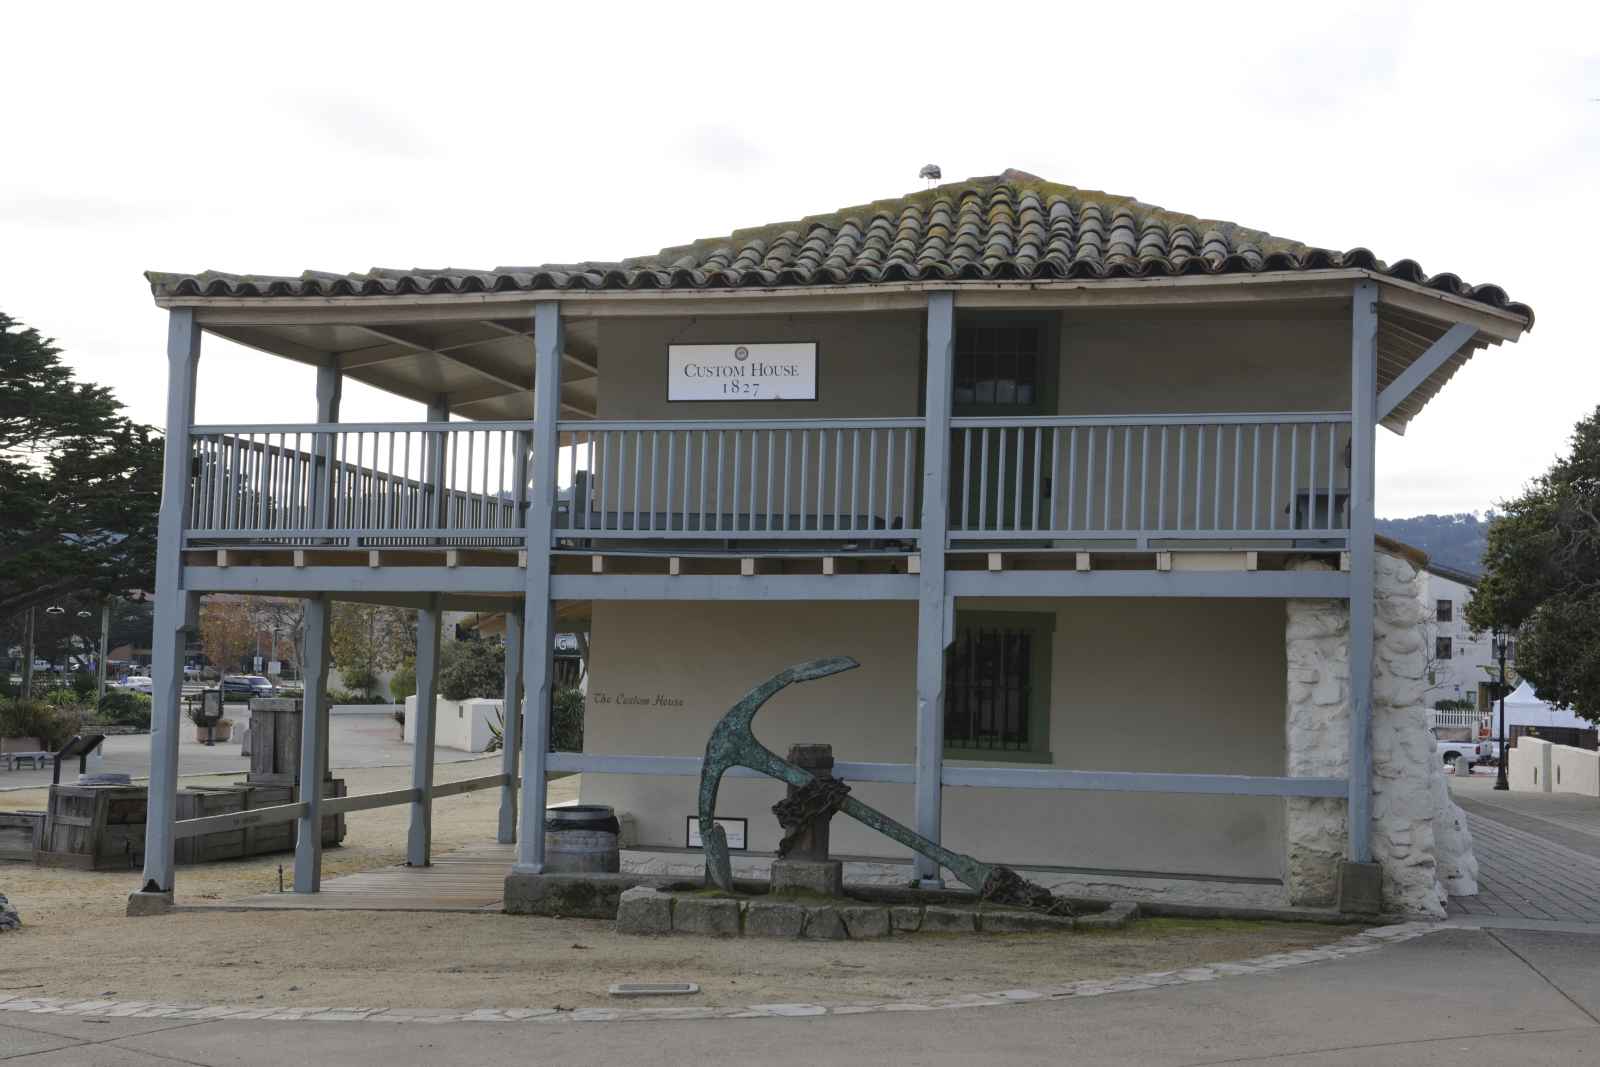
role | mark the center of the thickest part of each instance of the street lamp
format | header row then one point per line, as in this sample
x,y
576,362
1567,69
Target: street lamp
x,y
1504,647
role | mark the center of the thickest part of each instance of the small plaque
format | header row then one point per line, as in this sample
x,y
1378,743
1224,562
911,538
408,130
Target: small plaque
x,y
653,989
734,828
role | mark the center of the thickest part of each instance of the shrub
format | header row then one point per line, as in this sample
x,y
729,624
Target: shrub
x,y
32,718
84,684
566,720
470,669
566,723
124,707
404,681
61,698
344,696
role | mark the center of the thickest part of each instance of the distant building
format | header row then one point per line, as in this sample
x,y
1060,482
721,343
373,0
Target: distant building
x,y
1461,663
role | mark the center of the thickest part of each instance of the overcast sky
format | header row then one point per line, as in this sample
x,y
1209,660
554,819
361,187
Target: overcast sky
x,y
341,137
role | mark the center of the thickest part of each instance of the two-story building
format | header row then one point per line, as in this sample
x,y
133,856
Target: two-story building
x,y
1461,660
1084,484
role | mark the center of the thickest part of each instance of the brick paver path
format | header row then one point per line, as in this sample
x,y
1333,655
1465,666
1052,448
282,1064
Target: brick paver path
x,y
1538,855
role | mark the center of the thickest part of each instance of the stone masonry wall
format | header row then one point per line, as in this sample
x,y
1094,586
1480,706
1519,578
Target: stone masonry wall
x,y
1419,836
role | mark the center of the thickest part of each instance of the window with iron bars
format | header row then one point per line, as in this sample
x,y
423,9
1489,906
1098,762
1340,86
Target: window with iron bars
x,y
997,687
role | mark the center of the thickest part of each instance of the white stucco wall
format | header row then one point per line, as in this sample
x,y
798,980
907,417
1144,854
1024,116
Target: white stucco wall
x,y
1133,688
459,724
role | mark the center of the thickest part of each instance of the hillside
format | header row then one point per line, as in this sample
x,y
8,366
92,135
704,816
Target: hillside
x,y
1452,540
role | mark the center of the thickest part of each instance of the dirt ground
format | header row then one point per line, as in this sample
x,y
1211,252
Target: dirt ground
x,y
76,940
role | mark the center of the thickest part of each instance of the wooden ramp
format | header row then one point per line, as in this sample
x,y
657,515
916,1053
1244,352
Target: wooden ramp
x,y
468,879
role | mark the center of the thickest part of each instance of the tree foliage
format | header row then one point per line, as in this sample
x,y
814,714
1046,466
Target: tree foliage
x,y
1543,577
472,668
367,639
80,484
227,631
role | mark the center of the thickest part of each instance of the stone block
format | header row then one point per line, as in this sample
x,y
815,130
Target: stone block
x,y
824,878
579,896
642,910
824,924
941,920
143,903
863,923
1023,922
905,919
1116,917
1360,888
708,916
771,919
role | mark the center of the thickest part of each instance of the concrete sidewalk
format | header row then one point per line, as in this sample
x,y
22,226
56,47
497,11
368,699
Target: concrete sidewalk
x,y
1451,997
353,741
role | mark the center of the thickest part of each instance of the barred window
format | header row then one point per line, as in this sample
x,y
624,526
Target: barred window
x,y
1444,611
1441,648
997,684
998,365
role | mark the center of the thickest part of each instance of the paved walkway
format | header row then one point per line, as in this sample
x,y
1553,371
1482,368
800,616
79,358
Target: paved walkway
x,y
354,741
1448,997
1538,857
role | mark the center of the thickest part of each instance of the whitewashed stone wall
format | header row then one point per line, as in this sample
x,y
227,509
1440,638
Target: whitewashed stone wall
x,y
1419,836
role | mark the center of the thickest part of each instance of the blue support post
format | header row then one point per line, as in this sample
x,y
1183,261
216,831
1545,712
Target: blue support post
x,y
511,731
538,639
1363,404
932,635
176,613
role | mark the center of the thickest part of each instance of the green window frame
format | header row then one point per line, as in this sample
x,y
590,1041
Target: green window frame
x,y
997,687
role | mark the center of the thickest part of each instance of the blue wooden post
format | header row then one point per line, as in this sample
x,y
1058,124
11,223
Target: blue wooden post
x,y
931,605
314,671
511,734
538,637
175,610
313,746
1363,402
424,728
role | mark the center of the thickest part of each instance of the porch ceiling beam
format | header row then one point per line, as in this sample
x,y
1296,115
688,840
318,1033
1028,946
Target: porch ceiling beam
x,y
590,370
733,587
272,345
1442,350
336,581
1268,585
365,357
448,357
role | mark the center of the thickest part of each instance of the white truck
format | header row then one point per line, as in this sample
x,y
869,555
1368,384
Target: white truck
x,y
1473,752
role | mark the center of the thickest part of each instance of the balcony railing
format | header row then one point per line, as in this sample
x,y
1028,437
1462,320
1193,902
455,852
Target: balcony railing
x,y
1146,479
756,480
1134,481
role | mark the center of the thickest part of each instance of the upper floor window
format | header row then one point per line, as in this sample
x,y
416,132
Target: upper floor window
x,y
1444,611
999,365
1442,648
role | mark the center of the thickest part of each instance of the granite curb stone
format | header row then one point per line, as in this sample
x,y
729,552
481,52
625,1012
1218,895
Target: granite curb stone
x,y
1356,944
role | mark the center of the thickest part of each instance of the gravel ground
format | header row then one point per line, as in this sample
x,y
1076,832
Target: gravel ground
x,y
76,940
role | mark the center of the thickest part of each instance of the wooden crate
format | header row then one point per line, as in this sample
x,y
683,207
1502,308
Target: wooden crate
x,y
21,834
94,827
274,741
102,827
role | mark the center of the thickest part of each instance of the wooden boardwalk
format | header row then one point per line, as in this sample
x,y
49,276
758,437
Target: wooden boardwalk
x,y
468,879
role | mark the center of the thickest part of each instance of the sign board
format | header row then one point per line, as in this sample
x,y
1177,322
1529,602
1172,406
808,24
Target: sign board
x,y
734,828
275,667
258,665
785,371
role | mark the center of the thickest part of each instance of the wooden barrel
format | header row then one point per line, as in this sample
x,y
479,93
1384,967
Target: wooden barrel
x,y
581,839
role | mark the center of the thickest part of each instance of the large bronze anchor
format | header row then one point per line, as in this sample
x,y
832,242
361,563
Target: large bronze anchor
x,y
733,744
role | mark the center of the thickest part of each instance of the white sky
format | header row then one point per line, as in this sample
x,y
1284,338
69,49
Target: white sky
x,y
277,138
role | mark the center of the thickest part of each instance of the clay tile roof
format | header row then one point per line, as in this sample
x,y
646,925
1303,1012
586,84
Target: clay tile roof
x,y
1010,226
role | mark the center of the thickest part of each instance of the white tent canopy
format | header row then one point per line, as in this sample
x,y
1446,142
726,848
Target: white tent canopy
x,y
1524,708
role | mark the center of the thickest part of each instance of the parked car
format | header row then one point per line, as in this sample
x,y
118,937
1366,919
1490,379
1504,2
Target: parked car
x,y
245,687
1454,751
139,683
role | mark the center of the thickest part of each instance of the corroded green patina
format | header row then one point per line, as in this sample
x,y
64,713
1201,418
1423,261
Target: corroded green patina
x,y
733,744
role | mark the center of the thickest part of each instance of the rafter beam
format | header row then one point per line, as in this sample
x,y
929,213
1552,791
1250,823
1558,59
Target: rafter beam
x,y
448,357
590,370
1435,357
